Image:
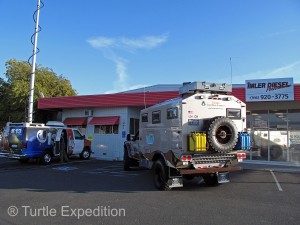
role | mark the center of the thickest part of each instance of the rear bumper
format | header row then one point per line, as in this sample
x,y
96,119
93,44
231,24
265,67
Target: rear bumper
x,y
12,156
209,170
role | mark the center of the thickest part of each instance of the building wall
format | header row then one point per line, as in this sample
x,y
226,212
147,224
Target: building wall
x,y
107,146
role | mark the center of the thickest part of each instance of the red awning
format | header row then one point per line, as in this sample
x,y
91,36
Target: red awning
x,y
105,120
76,121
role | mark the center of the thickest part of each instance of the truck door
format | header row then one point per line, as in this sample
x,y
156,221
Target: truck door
x,y
78,142
135,150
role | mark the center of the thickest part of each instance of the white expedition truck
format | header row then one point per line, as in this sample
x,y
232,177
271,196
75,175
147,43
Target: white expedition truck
x,y
201,133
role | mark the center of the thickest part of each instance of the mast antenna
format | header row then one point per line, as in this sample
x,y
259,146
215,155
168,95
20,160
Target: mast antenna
x,y
36,16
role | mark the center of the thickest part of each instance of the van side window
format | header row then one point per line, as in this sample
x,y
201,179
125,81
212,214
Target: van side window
x,y
156,116
145,117
172,113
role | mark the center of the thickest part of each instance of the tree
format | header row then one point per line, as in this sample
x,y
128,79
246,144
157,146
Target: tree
x,y
14,92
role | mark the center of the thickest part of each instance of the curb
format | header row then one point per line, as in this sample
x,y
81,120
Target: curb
x,y
281,167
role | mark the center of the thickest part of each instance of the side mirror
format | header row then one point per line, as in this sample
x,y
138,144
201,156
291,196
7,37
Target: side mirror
x,y
128,137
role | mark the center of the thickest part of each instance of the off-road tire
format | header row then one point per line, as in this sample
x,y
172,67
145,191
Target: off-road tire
x,y
210,179
222,135
160,175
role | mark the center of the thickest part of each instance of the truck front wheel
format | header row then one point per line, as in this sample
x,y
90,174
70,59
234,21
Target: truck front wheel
x,y
160,175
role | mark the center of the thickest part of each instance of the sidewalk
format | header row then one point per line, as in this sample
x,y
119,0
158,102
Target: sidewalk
x,y
282,167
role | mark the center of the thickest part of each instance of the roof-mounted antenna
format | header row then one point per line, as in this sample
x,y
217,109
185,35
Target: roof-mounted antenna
x,y
230,71
36,16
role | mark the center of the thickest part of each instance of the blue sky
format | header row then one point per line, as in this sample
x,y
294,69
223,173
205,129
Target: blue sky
x,y
106,46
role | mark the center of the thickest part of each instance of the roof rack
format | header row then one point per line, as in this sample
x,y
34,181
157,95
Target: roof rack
x,y
25,124
194,87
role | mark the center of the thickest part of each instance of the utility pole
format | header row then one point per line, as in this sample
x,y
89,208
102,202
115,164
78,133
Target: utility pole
x,y
32,78
230,70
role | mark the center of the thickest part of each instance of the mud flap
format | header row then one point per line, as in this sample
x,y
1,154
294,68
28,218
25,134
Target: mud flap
x,y
175,182
223,177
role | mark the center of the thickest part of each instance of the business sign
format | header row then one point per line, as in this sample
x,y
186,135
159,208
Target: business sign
x,y
281,89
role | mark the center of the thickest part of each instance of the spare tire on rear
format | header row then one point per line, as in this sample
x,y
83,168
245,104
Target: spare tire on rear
x,y
222,134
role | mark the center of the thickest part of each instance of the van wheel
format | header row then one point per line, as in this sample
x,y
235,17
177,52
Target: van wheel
x,y
222,134
85,154
160,175
46,158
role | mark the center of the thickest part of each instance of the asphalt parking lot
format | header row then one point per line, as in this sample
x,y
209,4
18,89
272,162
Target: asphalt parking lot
x,y
100,192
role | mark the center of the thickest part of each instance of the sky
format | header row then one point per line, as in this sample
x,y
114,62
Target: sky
x,y
109,46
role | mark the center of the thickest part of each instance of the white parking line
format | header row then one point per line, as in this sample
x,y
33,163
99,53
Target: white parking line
x,y
276,181
65,168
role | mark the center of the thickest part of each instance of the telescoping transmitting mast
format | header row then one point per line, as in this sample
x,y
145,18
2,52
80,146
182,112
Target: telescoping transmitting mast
x,y
32,78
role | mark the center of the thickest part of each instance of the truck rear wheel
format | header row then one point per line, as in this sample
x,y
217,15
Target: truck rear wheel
x,y
160,175
222,134
210,179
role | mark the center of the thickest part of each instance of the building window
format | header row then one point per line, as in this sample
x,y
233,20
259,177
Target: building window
x,y
106,129
145,117
134,125
172,113
156,116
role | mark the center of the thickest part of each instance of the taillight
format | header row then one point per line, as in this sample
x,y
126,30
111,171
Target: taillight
x,y
24,145
241,155
186,158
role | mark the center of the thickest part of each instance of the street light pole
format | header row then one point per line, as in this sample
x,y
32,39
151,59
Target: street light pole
x,y
32,77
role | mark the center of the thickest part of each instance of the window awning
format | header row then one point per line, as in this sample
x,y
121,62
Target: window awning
x,y
76,121
105,120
